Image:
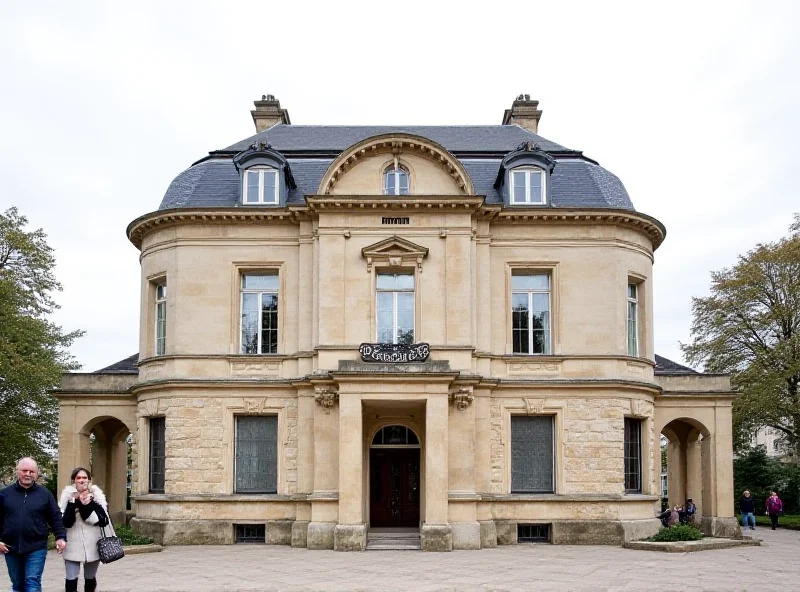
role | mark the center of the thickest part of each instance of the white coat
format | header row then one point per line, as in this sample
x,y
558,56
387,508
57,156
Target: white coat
x,y
82,537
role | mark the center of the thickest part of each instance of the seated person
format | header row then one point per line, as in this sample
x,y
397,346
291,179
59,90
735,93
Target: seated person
x,y
690,510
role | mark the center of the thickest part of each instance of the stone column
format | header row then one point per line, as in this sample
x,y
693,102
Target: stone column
x,y
351,532
676,472
436,532
305,464
324,514
462,504
694,473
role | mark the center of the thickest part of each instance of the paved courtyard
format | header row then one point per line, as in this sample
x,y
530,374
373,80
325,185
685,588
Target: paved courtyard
x,y
773,566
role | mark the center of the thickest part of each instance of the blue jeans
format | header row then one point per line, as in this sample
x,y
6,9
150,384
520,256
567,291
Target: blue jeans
x,y
750,516
25,571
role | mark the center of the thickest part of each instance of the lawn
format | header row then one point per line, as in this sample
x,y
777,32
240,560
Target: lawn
x,y
790,521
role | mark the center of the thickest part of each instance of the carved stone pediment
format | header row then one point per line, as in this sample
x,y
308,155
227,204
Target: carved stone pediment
x,y
394,252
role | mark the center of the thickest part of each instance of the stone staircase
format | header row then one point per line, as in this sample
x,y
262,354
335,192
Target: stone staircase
x,y
393,539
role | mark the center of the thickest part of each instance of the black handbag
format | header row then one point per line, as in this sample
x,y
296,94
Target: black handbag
x,y
109,547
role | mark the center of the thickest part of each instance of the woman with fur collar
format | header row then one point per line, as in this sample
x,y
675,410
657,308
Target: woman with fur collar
x,y
84,510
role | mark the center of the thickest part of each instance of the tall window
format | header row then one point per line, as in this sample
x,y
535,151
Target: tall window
x,y
161,319
157,454
256,454
532,454
395,180
530,305
633,455
633,323
259,314
260,186
395,307
527,186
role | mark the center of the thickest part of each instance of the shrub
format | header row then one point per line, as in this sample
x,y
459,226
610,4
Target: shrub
x,y
128,537
679,532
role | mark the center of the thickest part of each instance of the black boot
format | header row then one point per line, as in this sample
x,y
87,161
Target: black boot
x,y
89,585
71,585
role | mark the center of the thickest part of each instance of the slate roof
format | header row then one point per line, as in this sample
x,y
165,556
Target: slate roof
x,y
665,366
126,366
456,138
577,181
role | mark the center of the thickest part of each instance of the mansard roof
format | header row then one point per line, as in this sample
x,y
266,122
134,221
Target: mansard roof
x,y
576,181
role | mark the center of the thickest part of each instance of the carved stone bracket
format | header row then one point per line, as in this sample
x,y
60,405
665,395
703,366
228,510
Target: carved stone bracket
x,y
534,406
326,397
462,397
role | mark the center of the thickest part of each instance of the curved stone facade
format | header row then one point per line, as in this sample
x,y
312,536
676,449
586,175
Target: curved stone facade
x,y
312,474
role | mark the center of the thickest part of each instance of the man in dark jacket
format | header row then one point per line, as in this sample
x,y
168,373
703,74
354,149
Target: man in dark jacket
x,y
27,512
747,508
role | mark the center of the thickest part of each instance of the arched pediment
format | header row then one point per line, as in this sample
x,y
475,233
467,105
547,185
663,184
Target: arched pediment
x,y
394,252
398,145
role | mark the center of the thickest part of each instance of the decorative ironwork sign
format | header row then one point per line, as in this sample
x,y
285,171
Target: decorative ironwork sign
x,y
394,353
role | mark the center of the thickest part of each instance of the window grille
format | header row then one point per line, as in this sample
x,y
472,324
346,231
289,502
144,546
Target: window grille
x,y
532,454
633,455
250,533
257,454
533,533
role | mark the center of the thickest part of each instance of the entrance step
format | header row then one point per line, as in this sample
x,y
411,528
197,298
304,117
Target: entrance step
x,y
393,541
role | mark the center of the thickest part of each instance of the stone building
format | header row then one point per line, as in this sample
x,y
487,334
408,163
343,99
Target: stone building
x,y
446,329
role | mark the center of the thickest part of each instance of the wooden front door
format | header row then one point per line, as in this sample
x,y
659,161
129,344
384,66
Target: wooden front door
x,y
394,487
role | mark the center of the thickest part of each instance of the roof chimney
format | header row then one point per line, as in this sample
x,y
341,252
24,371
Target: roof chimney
x,y
523,112
268,112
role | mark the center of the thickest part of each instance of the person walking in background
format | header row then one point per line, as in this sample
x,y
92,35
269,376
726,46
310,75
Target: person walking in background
x,y
27,512
774,508
85,511
747,508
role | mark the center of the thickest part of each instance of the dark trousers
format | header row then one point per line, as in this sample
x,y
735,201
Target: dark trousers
x,y
774,519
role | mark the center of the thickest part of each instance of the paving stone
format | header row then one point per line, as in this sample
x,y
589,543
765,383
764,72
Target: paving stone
x,y
273,568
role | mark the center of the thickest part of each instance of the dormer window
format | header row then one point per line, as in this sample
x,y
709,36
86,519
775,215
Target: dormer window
x,y
528,186
260,186
395,180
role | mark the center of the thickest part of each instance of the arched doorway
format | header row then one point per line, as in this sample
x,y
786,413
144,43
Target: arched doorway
x,y
689,464
106,442
394,477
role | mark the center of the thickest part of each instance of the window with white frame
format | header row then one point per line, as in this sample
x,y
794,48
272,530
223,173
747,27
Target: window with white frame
x,y
528,186
532,454
395,180
530,316
259,293
633,320
161,319
395,307
260,186
633,455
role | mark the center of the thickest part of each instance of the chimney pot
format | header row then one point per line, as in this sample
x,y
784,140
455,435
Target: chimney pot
x,y
524,112
268,112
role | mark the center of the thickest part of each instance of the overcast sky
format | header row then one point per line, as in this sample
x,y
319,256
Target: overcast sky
x,y
693,105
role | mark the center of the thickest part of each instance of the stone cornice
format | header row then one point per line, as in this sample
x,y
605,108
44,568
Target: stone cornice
x,y
166,218
585,217
407,203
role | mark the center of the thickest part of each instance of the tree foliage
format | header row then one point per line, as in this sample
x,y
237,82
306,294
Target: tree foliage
x,y
33,350
749,327
756,471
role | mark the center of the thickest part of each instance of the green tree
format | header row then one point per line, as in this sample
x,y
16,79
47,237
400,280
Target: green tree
x,y
750,327
33,350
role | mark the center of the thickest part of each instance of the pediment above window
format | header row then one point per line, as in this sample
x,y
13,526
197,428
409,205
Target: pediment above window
x,y
397,145
394,252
